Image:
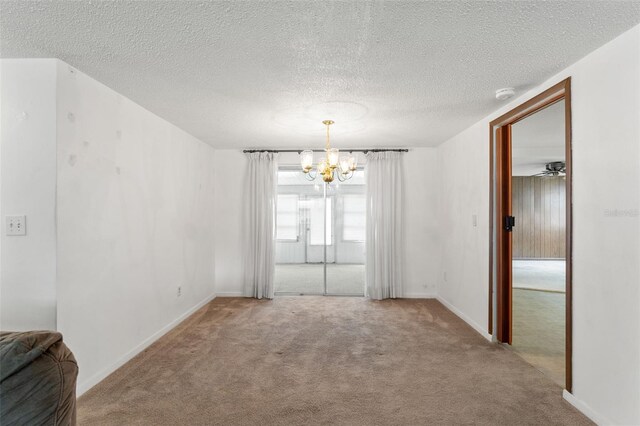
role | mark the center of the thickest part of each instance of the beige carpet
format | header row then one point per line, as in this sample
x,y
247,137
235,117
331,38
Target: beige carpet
x,y
545,275
307,278
324,361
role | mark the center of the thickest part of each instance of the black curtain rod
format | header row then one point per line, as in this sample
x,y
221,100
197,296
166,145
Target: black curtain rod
x,y
249,151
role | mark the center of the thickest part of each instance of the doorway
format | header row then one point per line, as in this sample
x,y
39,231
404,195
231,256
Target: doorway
x,y
530,271
320,231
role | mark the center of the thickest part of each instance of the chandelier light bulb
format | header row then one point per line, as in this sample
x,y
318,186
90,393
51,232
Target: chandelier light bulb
x,y
306,160
333,154
345,164
322,165
353,162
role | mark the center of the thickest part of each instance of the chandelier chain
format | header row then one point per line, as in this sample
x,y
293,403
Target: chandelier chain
x,y
328,143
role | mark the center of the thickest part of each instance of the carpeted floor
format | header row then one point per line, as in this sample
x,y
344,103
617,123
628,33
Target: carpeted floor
x,y
308,278
539,330
545,275
323,361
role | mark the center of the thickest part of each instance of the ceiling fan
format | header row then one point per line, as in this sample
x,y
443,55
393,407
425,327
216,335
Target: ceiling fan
x,y
555,168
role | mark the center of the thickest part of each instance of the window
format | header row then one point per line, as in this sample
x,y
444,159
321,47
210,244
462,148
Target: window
x,y
287,217
353,215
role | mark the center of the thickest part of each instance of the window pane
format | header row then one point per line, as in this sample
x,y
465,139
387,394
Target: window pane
x,y
354,212
287,217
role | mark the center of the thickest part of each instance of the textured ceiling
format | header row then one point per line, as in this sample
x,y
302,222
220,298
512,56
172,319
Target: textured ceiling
x,y
264,74
537,140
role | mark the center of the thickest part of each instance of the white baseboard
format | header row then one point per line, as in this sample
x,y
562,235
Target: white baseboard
x,y
98,377
466,319
585,409
418,296
230,294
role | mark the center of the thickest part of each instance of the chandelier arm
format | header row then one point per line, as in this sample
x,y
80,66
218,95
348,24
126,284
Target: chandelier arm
x,y
311,176
345,176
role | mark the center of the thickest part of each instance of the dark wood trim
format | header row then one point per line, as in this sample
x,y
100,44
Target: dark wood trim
x,y
504,252
557,92
547,98
569,238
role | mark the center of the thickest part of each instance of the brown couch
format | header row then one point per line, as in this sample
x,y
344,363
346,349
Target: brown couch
x,y
37,379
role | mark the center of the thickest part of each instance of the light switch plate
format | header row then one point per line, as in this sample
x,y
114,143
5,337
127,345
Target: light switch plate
x,y
16,225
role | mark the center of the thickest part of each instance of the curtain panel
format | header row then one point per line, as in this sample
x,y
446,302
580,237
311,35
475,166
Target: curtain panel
x,y
384,258
261,226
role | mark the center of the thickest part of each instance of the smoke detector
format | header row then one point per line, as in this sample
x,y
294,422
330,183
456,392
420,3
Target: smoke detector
x,y
506,93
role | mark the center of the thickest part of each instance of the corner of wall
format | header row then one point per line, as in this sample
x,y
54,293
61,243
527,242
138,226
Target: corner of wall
x,y
28,188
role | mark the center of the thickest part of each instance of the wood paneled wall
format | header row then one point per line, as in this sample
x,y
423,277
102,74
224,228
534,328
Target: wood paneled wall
x,y
539,208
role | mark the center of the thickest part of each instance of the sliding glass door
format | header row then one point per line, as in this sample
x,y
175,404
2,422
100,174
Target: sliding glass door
x,y
345,259
320,236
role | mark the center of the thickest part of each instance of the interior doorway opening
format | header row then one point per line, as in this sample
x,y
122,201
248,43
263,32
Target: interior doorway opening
x,y
530,273
539,251
320,235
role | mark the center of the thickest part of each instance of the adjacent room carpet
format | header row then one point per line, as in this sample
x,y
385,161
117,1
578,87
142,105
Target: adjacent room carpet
x,y
544,275
539,330
325,360
308,278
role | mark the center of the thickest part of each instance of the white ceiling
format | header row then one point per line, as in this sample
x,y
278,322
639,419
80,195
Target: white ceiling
x,y
537,140
264,74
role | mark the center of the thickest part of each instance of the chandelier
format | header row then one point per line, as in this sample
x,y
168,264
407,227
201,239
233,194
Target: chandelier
x,y
332,165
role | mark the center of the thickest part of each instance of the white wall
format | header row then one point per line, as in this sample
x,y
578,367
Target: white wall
x,y
421,243
230,174
421,227
28,267
464,184
135,221
606,226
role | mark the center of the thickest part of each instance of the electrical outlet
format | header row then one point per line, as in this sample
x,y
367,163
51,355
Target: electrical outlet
x,y
474,220
16,225
179,291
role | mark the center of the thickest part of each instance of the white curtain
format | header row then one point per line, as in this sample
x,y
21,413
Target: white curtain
x,y
384,225
261,226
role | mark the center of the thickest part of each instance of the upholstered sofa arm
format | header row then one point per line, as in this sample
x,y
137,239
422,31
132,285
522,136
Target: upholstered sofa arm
x,y
38,376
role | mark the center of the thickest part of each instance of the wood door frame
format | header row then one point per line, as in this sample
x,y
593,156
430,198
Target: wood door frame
x,y
504,248
556,93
